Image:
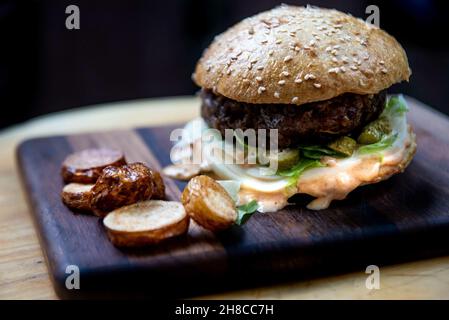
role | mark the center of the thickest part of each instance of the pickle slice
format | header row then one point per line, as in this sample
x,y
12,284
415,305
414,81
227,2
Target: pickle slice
x,y
285,159
344,145
374,131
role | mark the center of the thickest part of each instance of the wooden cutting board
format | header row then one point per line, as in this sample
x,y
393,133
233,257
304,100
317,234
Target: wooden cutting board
x,y
403,218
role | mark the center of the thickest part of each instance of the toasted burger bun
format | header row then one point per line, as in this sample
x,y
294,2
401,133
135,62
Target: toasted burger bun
x,y
296,55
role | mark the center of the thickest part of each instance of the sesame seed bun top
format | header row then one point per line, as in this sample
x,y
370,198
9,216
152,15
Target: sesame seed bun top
x,y
296,55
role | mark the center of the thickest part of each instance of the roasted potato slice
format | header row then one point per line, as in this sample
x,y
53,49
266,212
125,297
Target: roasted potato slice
x,y
183,171
158,185
86,166
146,222
77,196
121,186
208,203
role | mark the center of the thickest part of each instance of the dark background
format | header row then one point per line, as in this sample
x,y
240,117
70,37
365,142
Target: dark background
x,y
140,49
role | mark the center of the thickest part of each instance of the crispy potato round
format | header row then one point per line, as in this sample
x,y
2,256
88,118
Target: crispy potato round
x,y
86,166
182,171
146,222
77,196
121,186
158,185
208,203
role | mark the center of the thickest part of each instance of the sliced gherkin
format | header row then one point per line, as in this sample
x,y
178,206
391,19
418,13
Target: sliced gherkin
x,y
285,159
374,131
344,145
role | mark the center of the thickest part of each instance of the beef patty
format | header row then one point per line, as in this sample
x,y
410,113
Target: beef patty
x,y
315,122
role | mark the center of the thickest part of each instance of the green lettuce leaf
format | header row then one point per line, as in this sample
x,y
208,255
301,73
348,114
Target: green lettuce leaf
x,y
317,151
246,211
384,143
295,172
396,106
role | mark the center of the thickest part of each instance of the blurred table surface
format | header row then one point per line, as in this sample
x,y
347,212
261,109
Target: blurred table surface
x,y
23,272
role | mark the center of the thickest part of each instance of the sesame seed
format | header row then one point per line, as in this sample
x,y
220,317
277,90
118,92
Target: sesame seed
x,y
278,41
334,59
261,90
287,58
317,85
298,80
264,41
259,79
277,95
297,48
345,59
333,70
295,99
270,53
381,62
285,74
328,49
354,68
281,82
343,69
260,68
309,76
384,70
254,61
334,52
228,72
250,66
312,43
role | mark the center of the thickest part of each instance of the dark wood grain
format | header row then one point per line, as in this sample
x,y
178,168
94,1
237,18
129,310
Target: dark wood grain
x,y
403,218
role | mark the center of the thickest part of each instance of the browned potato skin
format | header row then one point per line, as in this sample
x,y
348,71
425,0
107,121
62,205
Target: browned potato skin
x,y
120,186
140,239
77,199
193,196
158,185
75,167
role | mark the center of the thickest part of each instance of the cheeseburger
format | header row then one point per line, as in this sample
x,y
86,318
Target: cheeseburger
x,y
320,78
